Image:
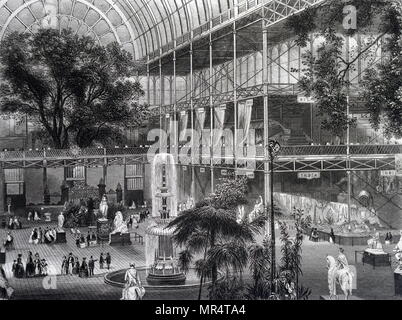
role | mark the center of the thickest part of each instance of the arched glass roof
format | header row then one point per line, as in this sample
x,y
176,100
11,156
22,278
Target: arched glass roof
x,y
140,26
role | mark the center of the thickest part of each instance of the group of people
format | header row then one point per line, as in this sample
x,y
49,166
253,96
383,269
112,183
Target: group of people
x,y
13,223
143,215
35,266
86,268
38,235
72,266
33,216
80,239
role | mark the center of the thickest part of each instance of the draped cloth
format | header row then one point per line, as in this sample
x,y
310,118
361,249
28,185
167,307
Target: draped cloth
x,y
219,119
183,125
244,110
199,127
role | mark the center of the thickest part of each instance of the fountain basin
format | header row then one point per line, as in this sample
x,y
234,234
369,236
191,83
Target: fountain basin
x,y
191,280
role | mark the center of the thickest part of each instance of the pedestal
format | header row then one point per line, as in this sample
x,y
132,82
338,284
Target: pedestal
x,y
398,282
103,228
61,237
2,257
120,239
376,259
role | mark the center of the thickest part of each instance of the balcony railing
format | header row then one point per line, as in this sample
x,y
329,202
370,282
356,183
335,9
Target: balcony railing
x,y
286,151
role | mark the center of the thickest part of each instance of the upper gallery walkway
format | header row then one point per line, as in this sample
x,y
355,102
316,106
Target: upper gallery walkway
x,y
289,159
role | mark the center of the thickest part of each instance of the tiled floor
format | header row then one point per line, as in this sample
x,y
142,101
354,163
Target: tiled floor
x,y
371,283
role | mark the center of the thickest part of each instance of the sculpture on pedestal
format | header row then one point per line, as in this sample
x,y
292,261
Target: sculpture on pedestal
x,y
119,225
103,208
60,221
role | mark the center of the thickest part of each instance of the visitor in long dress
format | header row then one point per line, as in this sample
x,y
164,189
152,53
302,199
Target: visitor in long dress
x,y
20,272
101,261
38,265
14,268
76,268
30,266
83,271
64,266
108,260
70,263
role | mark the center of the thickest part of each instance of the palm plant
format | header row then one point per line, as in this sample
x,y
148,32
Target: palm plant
x,y
286,282
210,229
260,268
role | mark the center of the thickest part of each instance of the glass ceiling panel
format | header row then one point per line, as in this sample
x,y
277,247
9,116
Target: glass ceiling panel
x,y
143,26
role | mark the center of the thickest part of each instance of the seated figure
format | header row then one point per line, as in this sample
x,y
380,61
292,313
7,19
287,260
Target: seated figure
x,y
119,225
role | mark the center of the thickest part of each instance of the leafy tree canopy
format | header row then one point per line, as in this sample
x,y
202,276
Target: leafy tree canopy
x,y
77,91
327,73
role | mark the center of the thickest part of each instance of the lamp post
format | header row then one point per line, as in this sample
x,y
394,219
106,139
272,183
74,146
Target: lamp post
x,y
273,149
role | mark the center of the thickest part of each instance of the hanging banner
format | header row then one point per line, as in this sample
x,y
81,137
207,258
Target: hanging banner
x,y
308,175
244,111
398,164
183,125
219,119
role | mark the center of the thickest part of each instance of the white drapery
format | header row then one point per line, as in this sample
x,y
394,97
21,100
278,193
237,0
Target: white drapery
x,y
183,125
200,121
219,119
244,110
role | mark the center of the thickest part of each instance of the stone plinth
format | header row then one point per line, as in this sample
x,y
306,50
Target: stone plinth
x,y
398,282
61,237
120,239
2,257
103,229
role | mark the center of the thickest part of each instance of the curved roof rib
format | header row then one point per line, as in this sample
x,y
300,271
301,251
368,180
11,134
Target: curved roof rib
x,y
146,28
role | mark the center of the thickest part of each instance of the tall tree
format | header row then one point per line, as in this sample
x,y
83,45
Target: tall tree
x,y
77,91
327,73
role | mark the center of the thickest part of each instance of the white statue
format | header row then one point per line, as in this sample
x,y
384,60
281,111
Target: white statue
x,y
133,205
103,207
119,225
36,216
339,273
133,289
7,290
60,221
241,214
258,209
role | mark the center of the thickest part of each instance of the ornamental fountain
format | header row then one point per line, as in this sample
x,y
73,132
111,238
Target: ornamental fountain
x,y
159,247
161,268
